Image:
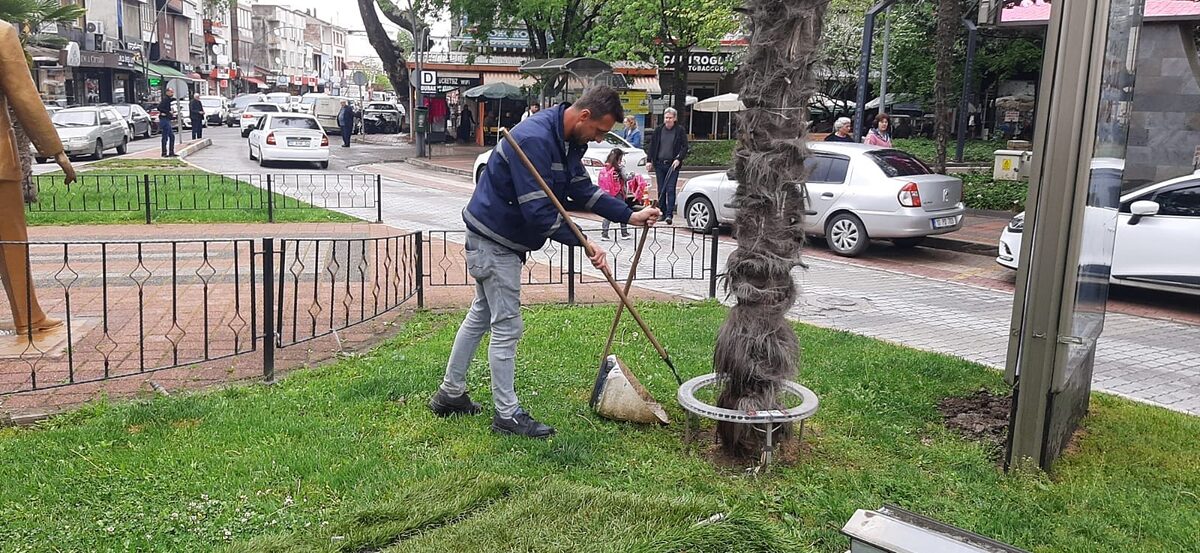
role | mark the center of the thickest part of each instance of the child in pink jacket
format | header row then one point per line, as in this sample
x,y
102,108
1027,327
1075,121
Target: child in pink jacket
x,y
616,182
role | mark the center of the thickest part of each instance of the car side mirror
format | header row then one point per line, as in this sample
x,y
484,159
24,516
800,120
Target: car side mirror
x,y
1142,208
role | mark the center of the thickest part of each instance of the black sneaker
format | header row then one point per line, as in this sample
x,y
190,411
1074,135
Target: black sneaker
x,y
521,424
668,221
443,405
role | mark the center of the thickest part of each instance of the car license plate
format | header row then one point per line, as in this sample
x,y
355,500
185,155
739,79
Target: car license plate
x,y
298,142
943,222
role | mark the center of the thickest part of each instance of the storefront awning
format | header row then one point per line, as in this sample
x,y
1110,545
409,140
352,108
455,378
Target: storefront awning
x,y
649,84
515,79
256,81
166,72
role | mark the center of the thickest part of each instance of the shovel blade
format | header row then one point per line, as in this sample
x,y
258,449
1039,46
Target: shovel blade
x,y
619,396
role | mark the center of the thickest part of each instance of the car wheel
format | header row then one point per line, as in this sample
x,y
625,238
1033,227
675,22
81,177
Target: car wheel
x,y
250,152
846,235
700,215
324,164
124,147
42,160
148,132
479,173
98,153
908,242
261,162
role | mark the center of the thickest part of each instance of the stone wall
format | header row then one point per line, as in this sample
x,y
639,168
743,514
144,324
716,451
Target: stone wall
x,y
1164,135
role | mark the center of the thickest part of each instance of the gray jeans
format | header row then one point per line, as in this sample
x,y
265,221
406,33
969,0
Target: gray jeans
x,y
497,307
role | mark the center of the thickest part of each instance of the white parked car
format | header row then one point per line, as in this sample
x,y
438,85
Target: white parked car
x,y
593,158
289,137
282,99
1157,242
215,108
855,193
90,130
253,112
308,101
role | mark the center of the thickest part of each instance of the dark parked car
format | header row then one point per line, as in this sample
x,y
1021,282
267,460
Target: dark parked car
x,y
140,123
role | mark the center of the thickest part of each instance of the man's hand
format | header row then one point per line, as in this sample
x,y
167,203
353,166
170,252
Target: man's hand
x,y
597,256
646,217
675,164
64,162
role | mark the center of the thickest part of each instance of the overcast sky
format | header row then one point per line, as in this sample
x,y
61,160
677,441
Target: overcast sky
x,y
345,14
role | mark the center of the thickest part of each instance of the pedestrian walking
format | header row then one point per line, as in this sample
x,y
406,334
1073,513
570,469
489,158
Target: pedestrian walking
x,y
196,112
616,182
668,149
881,134
166,115
842,130
631,133
530,111
466,125
345,119
510,215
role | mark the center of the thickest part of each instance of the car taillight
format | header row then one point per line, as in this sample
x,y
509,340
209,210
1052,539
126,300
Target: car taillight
x,y
271,139
909,195
325,140
592,162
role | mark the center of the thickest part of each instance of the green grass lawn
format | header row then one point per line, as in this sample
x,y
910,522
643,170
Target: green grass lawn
x,y
110,192
346,457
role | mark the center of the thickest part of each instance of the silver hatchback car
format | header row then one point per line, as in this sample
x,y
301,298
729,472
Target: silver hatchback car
x,y
855,192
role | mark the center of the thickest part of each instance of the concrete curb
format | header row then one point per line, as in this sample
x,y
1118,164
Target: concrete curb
x,y
962,246
193,147
423,164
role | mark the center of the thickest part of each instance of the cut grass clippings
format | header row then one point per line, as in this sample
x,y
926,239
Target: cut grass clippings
x,y
347,457
112,191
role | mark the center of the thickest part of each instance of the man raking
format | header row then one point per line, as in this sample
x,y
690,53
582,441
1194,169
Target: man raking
x,y
508,216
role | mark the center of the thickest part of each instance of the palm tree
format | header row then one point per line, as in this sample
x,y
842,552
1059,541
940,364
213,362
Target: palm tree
x,y
29,16
757,348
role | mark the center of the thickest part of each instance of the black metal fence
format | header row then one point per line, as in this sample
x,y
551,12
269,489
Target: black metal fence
x,y
136,307
153,195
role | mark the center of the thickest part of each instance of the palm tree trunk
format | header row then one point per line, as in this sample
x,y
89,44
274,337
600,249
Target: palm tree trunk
x,y
757,348
949,12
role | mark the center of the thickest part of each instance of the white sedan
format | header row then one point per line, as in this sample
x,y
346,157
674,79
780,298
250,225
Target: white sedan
x,y
593,158
289,137
1156,243
253,112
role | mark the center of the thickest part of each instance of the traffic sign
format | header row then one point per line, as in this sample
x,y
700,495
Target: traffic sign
x,y
429,81
360,78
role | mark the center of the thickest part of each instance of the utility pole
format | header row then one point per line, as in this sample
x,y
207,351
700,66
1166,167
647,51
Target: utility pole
x,y
883,70
418,31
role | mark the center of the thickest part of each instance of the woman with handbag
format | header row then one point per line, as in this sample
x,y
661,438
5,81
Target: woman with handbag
x,y
619,184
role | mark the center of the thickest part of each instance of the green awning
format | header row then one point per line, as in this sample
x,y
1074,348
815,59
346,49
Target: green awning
x,y
166,72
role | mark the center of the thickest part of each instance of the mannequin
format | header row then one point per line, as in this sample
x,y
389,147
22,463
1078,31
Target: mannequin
x,y
17,90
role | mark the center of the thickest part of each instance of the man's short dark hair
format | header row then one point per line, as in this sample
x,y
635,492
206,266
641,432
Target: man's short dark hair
x,y
601,100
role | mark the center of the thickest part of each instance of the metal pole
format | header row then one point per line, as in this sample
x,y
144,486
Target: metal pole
x,y
417,47
712,262
420,269
571,275
269,310
146,193
964,103
270,200
378,198
883,66
864,73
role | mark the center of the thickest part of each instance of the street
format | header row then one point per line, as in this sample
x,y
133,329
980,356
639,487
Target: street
x,y
950,302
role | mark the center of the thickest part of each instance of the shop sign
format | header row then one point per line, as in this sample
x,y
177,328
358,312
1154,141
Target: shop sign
x,y
702,62
635,102
125,59
116,60
432,83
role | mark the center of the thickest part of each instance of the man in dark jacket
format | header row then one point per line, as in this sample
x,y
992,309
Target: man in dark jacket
x,y
196,112
345,119
668,148
166,114
510,215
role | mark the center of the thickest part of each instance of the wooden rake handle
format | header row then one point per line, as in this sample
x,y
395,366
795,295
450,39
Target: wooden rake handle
x,y
586,244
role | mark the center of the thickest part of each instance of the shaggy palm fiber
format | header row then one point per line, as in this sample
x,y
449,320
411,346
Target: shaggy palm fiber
x,y
757,349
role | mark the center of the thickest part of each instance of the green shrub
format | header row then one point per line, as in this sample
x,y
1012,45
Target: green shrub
x,y
980,191
926,150
710,153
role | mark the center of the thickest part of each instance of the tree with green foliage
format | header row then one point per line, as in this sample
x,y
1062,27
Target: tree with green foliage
x,y
557,28
29,17
651,30
392,54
